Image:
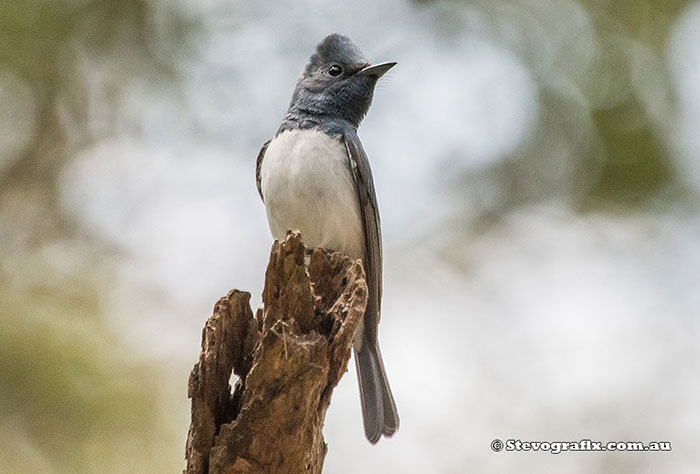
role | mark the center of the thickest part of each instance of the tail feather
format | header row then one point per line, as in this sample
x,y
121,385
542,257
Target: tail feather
x,y
378,407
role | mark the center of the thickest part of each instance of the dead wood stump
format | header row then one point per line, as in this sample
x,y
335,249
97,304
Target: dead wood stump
x,y
287,359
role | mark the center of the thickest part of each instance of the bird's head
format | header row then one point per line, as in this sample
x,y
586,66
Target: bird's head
x,y
338,82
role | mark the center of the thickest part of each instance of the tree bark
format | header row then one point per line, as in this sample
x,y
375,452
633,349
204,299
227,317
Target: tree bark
x,y
287,359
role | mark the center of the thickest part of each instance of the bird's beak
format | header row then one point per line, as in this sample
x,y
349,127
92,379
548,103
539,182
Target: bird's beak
x,y
377,70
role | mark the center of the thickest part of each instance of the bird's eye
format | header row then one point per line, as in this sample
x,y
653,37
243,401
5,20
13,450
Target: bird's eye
x,y
335,70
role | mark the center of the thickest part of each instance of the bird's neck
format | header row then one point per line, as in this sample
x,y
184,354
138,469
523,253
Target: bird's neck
x,y
307,118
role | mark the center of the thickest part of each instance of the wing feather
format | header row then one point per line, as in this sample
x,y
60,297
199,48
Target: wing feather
x,y
362,174
258,168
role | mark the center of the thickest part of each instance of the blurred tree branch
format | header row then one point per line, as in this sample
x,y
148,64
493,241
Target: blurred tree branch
x,y
288,358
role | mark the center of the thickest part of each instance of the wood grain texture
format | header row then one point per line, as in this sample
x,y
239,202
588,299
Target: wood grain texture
x,y
287,359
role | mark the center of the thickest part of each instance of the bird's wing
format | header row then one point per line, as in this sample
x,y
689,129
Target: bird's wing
x,y
362,174
258,168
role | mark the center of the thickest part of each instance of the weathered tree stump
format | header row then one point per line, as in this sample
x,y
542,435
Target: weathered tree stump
x,y
288,358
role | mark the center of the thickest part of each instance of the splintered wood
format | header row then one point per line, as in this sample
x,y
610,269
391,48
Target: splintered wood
x,y
287,359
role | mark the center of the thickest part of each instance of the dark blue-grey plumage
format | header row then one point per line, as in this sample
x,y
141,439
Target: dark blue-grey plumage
x,y
374,385
327,102
332,97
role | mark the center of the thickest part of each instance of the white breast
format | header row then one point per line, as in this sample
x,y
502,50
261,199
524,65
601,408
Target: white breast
x,y
307,186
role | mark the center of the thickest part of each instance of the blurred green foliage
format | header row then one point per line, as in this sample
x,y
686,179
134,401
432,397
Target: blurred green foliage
x,y
637,167
73,400
32,32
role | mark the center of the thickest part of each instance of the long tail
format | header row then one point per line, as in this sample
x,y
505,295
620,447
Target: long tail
x,y
378,408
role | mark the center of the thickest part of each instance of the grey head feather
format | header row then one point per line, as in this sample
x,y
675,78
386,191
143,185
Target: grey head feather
x,y
336,48
330,94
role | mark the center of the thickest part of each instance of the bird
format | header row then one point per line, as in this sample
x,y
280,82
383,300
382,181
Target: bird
x,y
314,177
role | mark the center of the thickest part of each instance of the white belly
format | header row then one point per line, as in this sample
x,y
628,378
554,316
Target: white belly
x,y
307,186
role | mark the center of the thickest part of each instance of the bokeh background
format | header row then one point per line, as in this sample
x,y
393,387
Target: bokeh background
x,y
537,167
